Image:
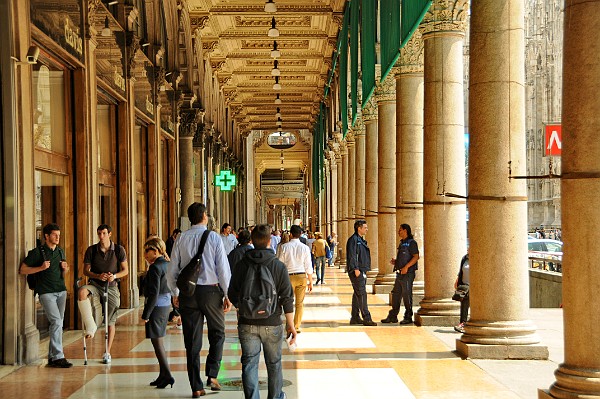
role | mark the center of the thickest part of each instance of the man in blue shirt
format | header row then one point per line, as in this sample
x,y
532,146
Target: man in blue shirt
x,y
208,300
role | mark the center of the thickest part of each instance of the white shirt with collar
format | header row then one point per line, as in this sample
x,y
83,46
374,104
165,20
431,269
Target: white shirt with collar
x,y
296,256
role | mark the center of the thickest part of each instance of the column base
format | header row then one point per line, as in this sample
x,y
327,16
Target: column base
x,y
543,394
30,342
371,282
573,383
437,321
379,288
502,352
418,291
135,297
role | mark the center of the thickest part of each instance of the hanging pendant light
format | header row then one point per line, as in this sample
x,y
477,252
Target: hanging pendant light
x,y
276,86
278,100
270,6
106,32
275,71
275,53
278,114
273,32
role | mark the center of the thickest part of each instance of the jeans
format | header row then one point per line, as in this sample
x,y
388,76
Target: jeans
x,y
464,308
320,268
271,338
359,297
54,305
403,287
206,302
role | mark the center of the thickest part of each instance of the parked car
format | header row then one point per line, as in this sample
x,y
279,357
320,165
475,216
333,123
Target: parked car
x,y
543,251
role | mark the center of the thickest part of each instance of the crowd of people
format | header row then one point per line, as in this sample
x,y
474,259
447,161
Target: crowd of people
x,y
263,273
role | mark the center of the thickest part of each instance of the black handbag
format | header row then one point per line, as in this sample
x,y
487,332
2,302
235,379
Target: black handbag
x,y
460,293
188,277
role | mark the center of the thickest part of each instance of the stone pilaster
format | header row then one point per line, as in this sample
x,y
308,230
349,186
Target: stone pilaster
x,y
346,231
409,148
334,192
385,95
371,182
444,160
579,375
340,189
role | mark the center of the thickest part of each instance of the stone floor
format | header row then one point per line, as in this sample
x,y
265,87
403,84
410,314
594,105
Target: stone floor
x,y
333,360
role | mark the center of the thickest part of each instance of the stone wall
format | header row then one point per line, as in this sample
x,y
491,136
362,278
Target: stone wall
x,y
545,289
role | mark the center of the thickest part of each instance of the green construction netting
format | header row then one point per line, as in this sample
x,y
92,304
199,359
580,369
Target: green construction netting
x,y
354,33
344,70
368,59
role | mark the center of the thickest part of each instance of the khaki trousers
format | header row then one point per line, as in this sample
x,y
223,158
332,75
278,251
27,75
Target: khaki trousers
x,y
299,286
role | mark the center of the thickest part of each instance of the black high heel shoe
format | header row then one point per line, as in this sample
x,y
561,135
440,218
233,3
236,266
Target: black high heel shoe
x,y
156,381
167,381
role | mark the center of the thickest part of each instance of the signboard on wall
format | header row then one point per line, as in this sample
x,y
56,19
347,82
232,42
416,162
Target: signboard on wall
x,y
553,140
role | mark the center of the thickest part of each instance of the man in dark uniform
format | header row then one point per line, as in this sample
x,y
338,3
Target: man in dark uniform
x,y
48,264
104,263
358,263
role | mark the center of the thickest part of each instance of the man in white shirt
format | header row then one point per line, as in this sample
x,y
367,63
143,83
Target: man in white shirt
x,y
229,240
296,257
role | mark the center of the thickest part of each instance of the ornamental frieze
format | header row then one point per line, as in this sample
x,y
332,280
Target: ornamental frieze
x,y
412,55
446,15
386,90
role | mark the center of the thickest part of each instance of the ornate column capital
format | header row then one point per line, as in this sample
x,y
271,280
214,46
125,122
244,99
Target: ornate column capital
x,y
350,138
411,55
370,112
359,128
189,118
386,90
446,15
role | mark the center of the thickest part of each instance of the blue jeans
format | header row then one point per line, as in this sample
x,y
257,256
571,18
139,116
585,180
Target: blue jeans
x,y
320,268
54,305
271,338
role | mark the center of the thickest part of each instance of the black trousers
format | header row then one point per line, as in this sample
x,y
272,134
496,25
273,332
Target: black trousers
x,y
403,287
206,302
359,297
464,308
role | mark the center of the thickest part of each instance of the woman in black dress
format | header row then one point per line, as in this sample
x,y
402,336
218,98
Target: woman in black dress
x,y
157,306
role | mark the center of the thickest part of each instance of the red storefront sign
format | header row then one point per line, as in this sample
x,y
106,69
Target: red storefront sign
x,y
553,139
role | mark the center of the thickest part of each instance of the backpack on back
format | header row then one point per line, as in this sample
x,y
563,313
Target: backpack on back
x,y
32,278
258,294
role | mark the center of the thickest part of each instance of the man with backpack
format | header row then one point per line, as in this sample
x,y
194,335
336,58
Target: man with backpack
x,y
45,267
405,266
260,287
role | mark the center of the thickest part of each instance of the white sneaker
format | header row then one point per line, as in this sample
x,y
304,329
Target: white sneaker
x,y
106,359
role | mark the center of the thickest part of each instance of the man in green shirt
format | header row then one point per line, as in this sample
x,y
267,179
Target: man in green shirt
x,y
48,263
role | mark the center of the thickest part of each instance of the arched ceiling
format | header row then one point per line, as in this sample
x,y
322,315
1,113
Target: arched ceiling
x,y
234,33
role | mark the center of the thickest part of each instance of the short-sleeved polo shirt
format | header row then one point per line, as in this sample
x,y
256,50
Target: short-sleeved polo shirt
x,y
105,262
51,279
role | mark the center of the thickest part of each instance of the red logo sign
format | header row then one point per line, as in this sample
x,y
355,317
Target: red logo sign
x,y
553,139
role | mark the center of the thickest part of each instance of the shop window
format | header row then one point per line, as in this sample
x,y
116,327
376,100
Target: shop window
x,y
139,168
49,115
107,176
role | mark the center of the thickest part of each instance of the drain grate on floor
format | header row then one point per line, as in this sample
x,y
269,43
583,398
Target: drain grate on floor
x,y
235,384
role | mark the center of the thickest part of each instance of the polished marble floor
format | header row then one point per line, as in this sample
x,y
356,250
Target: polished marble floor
x,y
333,360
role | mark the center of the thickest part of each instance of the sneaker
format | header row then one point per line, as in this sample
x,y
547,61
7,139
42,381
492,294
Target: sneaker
x,y
106,359
60,363
406,321
460,328
390,320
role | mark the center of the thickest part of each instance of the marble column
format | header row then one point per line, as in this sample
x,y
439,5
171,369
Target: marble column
x,y
409,148
351,180
371,183
579,375
499,326
386,175
334,192
360,142
444,217
340,189
188,123
346,232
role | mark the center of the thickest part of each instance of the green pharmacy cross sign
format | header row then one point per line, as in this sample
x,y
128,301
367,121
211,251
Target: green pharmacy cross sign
x,y
225,180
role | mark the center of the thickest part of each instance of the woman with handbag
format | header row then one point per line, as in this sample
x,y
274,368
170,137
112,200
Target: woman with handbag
x,y
463,279
157,306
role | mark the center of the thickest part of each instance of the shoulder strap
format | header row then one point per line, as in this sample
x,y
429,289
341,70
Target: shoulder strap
x,y
43,253
202,244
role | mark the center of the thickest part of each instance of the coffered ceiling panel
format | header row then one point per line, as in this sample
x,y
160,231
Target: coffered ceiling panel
x,y
234,36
